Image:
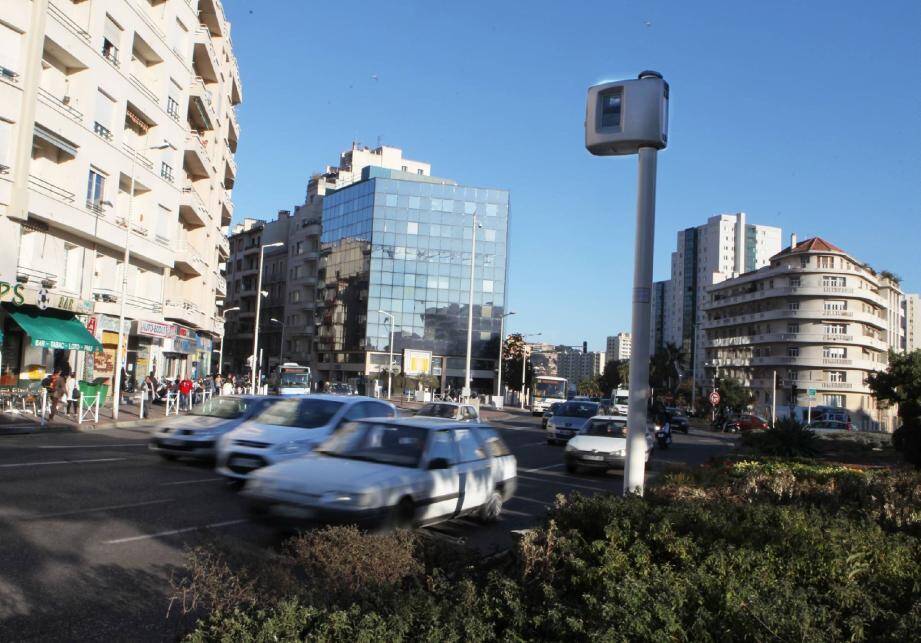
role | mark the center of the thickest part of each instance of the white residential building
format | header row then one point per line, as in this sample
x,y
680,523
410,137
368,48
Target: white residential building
x,y
912,322
118,126
618,346
578,365
817,318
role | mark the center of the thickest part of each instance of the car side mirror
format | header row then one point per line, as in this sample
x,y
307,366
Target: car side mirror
x,y
439,463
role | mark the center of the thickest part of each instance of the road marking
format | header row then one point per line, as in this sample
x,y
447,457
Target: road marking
x,y
512,512
567,484
172,532
526,499
35,464
95,509
91,446
549,466
534,444
170,484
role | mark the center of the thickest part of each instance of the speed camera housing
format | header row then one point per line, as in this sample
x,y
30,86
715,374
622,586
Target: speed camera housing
x,y
625,115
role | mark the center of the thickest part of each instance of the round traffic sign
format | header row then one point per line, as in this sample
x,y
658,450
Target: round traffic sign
x,y
715,398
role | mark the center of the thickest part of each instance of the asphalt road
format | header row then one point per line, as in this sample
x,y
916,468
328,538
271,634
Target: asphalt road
x,y
92,525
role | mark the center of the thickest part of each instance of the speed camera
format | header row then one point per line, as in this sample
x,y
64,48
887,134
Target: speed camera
x,y
625,115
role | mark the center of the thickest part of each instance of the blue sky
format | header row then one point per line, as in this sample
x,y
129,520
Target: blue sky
x,y
803,114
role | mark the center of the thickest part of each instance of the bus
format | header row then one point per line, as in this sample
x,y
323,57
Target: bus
x,y
547,389
620,399
290,379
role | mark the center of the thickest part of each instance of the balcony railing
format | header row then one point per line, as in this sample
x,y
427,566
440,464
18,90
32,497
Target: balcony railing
x,y
102,131
140,158
67,22
36,276
142,87
59,105
51,189
220,283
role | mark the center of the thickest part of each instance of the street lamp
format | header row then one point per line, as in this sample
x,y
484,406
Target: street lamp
x,y
390,363
220,355
255,367
123,294
281,348
501,346
525,353
476,226
631,117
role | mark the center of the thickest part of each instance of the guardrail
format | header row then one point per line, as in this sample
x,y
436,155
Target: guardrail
x,y
59,105
50,188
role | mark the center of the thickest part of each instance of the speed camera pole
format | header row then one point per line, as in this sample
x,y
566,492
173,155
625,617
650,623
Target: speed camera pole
x,y
631,117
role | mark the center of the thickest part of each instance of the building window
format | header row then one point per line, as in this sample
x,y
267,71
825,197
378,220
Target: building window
x,y
487,285
834,352
793,328
804,261
412,227
836,329
792,305
792,351
419,171
795,282
834,400
166,172
792,375
826,262
95,190
833,281
110,40
836,377
172,108
404,168
835,305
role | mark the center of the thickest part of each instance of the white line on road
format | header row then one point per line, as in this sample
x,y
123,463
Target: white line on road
x,y
96,509
566,484
91,446
535,501
533,444
170,484
512,512
172,532
549,466
35,464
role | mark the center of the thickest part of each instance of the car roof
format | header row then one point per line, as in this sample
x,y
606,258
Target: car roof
x,y
421,422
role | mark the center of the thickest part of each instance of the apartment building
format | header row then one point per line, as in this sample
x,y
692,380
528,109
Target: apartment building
x,y
117,128
618,346
659,314
911,316
815,316
724,247
577,365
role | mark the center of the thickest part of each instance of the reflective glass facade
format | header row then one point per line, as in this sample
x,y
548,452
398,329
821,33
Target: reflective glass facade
x,y
401,243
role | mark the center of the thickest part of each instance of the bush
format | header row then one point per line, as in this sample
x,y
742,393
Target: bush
x,y
907,441
788,438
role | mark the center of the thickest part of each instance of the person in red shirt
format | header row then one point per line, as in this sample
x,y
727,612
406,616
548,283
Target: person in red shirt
x,y
185,393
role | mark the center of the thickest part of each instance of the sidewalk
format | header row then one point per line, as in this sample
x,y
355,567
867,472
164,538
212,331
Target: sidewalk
x,y
23,422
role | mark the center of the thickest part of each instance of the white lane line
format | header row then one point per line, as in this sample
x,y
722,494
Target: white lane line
x,y
170,484
543,503
549,466
512,512
35,464
77,512
534,444
172,532
91,446
566,484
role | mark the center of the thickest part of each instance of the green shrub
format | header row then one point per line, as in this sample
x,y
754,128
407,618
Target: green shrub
x,y
787,438
907,441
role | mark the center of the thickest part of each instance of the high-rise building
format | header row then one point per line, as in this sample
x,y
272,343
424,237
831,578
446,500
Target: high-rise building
x,y
659,314
577,365
118,127
396,246
724,247
618,346
817,318
912,322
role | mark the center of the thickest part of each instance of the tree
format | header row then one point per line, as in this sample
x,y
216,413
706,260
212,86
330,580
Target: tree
x,y
665,370
612,378
901,384
512,354
734,398
588,387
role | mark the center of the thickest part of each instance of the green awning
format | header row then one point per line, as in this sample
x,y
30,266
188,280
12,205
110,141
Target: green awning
x,y
54,329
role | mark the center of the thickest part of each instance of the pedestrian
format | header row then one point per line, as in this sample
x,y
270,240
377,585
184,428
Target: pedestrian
x,y
58,391
73,394
227,386
185,392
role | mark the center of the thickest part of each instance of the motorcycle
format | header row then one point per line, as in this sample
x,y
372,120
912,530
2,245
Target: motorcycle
x,y
664,435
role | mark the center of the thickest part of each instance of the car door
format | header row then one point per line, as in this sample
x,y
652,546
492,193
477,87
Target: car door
x,y
473,469
441,493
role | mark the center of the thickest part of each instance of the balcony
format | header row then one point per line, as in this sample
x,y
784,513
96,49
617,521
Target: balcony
x,y
231,170
811,338
55,12
226,210
803,313
718,300
201,106
189,260
223,246
220,284
205,58
183,310
143,88
61,106
196,160
137,156
51,189
191,208
817,362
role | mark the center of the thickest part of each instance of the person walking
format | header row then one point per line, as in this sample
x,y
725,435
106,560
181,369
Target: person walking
x,y
185,393
58,387
227,386
73,394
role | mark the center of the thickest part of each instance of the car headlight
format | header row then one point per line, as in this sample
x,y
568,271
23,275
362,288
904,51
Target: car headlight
x,y
346,498
293,447
620,453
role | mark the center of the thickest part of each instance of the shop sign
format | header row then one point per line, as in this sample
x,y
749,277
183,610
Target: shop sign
x,y
154,329
182,331
417,362
203,343
109,324
21,294
90,323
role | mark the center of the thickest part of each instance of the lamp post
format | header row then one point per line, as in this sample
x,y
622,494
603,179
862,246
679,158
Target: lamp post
x,y
390,363
281,348
525,353
501,347
220,355
255,366
123,293
476,226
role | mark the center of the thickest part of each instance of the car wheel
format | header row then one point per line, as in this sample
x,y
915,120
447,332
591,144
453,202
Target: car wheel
x,y
169,457
491,511
403,514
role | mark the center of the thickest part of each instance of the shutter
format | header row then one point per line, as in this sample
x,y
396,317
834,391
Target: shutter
x,y
113,32
104,108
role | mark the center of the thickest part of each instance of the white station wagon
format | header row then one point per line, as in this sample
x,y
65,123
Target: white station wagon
x,y
397,472
601,444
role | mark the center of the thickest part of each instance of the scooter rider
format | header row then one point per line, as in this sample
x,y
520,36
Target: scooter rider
x,y
664,431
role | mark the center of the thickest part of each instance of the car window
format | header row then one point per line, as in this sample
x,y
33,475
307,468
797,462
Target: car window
x,y
606,428
305,414
441,445
226,408
470,413
368,410
377,442
468,446
438,410
494,445
578,409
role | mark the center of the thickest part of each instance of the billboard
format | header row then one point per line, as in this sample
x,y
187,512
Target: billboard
x,y
417,362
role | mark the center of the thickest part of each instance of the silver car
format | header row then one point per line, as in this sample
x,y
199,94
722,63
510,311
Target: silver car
x,y
569,420
449,411
194,435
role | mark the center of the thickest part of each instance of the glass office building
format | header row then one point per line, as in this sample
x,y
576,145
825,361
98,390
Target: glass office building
x,y
401,243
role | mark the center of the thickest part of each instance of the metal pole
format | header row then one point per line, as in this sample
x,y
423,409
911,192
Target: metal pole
x,y
524,368
390,364
470,310
774,402
281,349
642,288
501,346
254,367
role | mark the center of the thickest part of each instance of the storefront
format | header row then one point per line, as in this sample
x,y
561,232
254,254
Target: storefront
x,y
202,362
147,345
178,351
102,364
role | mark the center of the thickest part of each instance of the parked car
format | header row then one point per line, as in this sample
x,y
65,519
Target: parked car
x,y
743,423
404,472
549,414
194,435
601,445
449,411
822,413
568,419
291,427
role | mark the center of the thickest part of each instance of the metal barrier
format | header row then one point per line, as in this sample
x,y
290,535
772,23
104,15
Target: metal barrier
x,y
172,403
89,404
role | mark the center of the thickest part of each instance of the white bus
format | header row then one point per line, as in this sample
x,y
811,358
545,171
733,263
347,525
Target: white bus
x,y
620,398
547,389
290,379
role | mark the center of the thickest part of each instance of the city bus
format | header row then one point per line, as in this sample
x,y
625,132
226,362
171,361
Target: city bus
x,y
620,399
547,389
290,379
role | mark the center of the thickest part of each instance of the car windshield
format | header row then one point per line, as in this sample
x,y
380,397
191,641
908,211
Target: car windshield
x,y
294,379
577,410
306,414
606,428
622,399
550,388
377,442
226,408
438,411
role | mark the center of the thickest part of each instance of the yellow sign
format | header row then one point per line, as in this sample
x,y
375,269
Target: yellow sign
x,y
417,362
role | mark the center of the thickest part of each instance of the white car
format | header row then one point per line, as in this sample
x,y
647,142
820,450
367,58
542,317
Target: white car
x,y
291,427
399,472
449,411
601,444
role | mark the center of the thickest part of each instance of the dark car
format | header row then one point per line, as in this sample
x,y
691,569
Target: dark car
x,y
549,414
679,422
744,423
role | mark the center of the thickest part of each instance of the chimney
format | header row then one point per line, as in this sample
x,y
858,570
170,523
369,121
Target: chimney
x,y
793,240
584,347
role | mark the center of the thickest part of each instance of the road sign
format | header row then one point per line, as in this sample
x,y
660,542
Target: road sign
x,y
811,393
714,398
